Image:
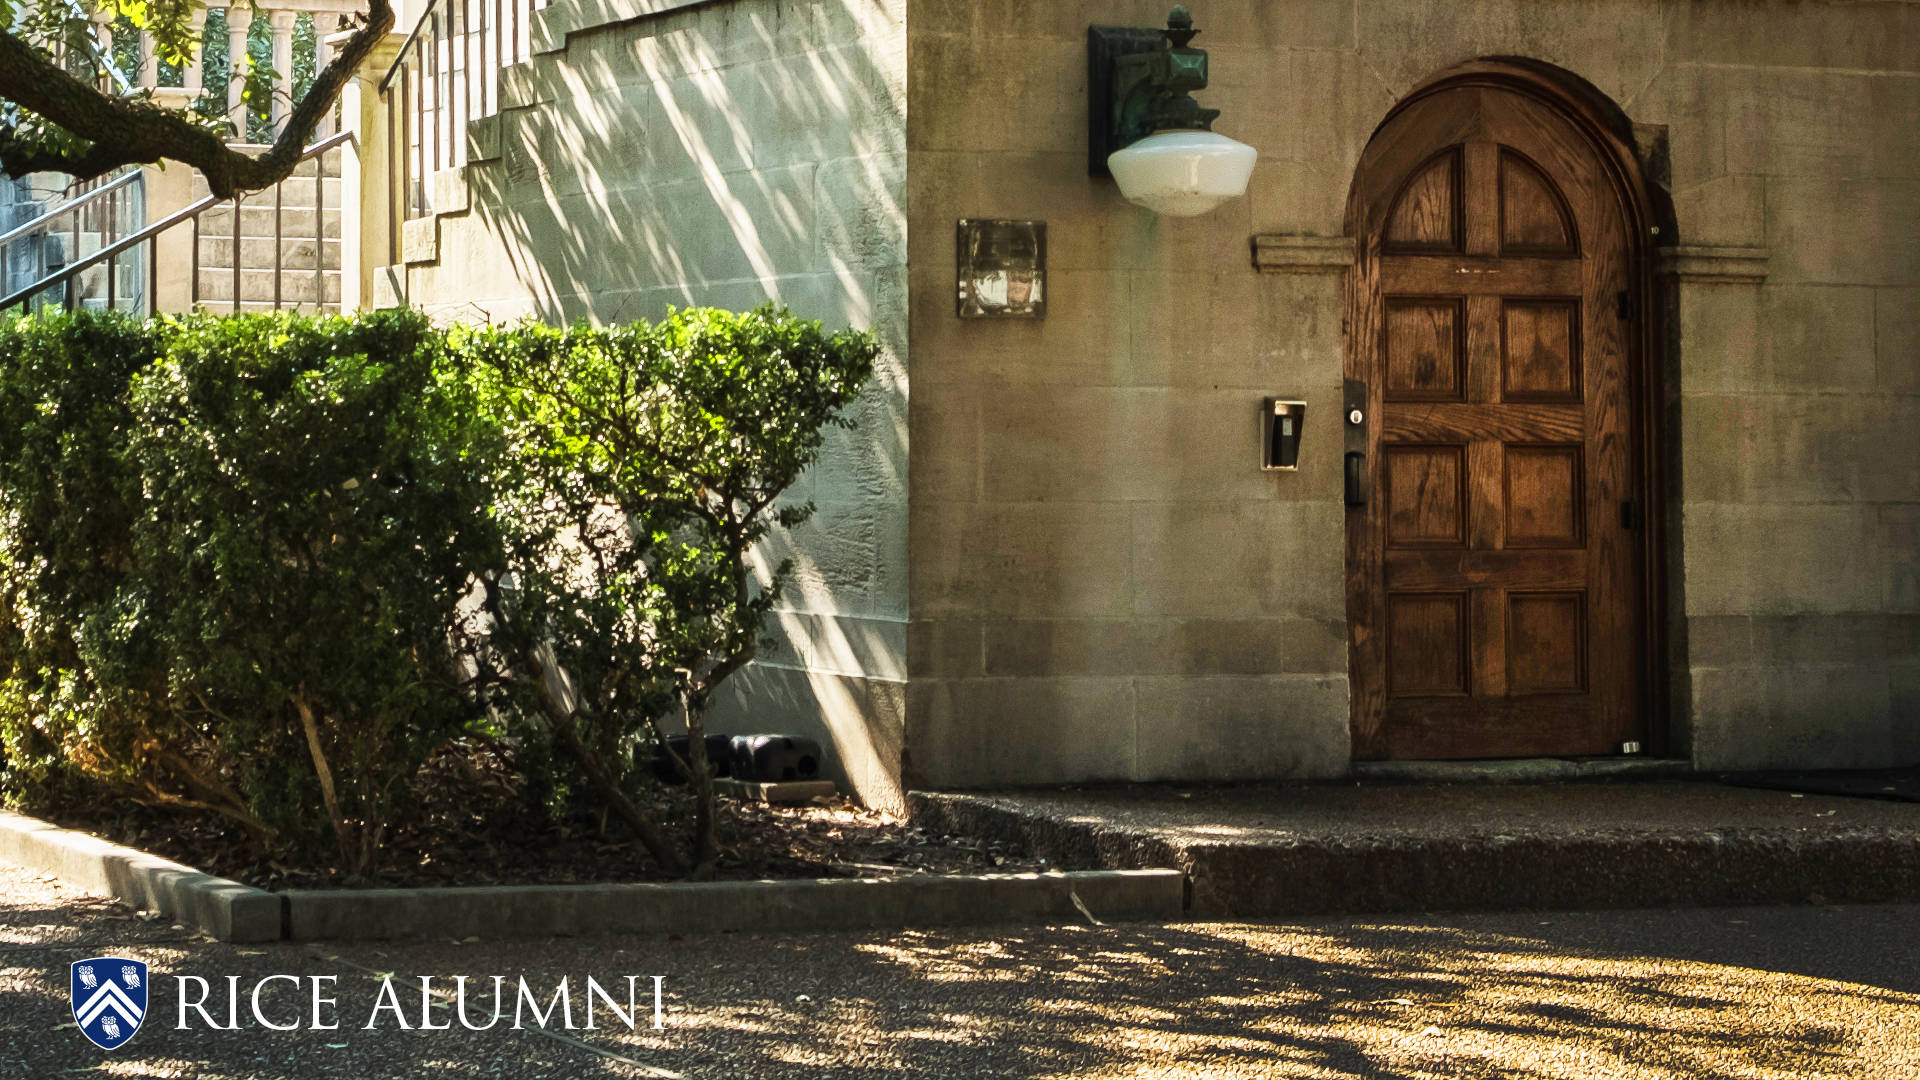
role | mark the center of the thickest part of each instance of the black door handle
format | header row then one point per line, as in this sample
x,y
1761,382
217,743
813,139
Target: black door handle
x,y
1356,478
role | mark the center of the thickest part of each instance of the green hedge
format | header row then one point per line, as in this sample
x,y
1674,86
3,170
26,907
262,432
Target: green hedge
x,y
264,566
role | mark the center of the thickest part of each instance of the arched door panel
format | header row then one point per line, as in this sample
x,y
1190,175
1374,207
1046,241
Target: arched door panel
x,y
1495,595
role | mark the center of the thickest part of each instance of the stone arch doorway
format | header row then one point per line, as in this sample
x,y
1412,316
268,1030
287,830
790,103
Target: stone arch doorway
x,y
1503,570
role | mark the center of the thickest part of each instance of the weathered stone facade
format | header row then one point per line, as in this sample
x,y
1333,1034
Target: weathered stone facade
x,y
1057,559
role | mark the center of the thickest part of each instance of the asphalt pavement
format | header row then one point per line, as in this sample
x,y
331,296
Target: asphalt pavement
x,y
1779,993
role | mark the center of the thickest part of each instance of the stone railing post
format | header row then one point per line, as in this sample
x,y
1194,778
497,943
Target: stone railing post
x,y
322,52
103,34
169,190
366,195
282,21
239,21
149,75
196,70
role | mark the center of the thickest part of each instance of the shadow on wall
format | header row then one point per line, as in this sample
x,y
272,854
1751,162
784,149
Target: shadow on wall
x,y
729,155
725,155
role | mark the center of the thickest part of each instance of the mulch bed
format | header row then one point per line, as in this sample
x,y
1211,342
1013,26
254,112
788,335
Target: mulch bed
x,y
478,831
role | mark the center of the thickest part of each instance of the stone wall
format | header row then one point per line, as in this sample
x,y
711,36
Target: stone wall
x,y
1792,130
664,152
1104,586
1102,583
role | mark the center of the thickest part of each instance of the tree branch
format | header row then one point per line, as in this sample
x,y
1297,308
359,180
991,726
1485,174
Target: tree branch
x,y
559,720
341,830
130,131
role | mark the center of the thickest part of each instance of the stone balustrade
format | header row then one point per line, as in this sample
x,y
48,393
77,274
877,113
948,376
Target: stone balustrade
x,y
189,84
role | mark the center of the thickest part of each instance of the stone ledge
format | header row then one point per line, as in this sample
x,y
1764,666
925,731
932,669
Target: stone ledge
x,y
1521,770
448,193
226,910
1260,851
550,26
1274,253
531,911
483,139
777,793
1703,263
420,240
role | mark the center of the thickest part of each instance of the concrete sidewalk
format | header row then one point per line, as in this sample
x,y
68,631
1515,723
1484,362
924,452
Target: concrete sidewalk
x,y
1803,993
1346,847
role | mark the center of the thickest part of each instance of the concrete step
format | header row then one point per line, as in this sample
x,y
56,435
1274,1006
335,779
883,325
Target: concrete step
x,y
63,245
296,287
1521,770
250,307
330,163
294,191
258,221
256,253
91,283
1341,847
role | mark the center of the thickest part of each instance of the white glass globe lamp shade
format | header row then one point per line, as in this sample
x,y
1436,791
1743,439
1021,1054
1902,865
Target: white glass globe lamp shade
x,y
1182,173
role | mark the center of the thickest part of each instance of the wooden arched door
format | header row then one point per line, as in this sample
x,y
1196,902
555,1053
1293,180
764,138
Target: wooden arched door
x,y
1495,596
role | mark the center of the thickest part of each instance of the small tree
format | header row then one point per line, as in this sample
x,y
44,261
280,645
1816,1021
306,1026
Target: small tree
x,y
651,462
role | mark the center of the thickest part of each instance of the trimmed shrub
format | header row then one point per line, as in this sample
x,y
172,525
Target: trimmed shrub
x,y
309,523
265,566
230,562
68,497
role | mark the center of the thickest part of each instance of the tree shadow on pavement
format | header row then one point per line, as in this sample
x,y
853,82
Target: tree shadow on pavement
x,y
1369,1000
1715,995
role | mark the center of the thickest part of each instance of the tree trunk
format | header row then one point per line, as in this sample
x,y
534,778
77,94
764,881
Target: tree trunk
x,y
705,849
651,838
560,722
353,856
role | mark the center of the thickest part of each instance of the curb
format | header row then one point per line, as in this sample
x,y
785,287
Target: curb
x,y
226,910
523,911
230,911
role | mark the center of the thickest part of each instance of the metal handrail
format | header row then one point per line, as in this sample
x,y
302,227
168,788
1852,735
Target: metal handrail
x,y
401,59
449,72
73,270
68,207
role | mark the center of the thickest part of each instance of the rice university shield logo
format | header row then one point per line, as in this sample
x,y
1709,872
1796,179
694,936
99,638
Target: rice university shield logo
x,y
109,999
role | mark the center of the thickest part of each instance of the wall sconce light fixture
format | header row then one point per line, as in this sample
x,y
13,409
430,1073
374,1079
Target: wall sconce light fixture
x,y
1145,128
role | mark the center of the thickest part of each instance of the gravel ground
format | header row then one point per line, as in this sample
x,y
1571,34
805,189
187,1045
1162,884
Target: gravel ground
x,y
1753,994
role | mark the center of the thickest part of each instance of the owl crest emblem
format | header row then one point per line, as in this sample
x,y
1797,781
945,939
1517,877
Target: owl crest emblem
x,y
109,999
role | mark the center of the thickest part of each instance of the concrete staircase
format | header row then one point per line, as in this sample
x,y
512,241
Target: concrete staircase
x,y
90,287
60,225
301,268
